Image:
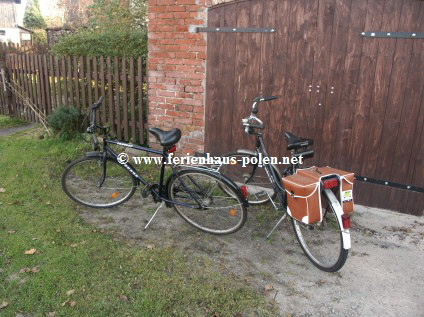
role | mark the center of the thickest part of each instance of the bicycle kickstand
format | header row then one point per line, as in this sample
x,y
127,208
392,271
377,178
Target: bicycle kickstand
x,y
157,209
275,227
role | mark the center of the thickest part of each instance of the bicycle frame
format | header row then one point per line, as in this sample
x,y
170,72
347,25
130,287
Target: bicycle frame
x,y
159,194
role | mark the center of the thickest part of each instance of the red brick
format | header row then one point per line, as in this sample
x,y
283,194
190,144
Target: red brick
x,y
183,120
199,109
198,122
181,28
194,89
167,15
185,69
193,102
165,2
196,76
186,41
164,93
175,74
157,9
193,8
174,101
166,67
169,81
184,108
185,1
176,8
176,114
184,55
156,111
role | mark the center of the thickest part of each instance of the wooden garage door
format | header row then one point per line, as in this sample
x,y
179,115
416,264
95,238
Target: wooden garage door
x,y
360,98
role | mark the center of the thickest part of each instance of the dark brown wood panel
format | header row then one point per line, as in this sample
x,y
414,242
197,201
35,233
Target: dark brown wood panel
x,y
360,98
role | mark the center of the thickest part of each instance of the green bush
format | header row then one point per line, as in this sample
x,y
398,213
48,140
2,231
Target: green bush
x,y
112,43
65,122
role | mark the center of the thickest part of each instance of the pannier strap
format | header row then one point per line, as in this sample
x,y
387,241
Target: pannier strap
x,y
295,196
351,183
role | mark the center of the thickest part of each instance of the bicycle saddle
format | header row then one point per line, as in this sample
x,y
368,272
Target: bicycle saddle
x,y
166,138
295,142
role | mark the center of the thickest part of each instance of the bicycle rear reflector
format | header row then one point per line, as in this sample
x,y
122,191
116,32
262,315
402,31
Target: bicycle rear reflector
x,y
172,149
330,183
232,212
346,221
244,191
115,194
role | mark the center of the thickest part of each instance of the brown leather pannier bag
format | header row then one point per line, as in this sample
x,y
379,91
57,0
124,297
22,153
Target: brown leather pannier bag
x,y
304,192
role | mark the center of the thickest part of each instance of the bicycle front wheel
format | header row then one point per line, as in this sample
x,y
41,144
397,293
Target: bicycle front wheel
x,y
85,182
207,201
251,175
323,242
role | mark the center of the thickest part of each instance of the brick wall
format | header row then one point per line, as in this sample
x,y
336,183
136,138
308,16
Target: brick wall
x,y
177,68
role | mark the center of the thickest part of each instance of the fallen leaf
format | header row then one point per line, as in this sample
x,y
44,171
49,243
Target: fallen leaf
x,y
216,314
72,304
33,239
24,270
70,292
123,298
65,302
2,190
74,245
30,251
48,203
150,246
51,314
268,287
11,232
35,269
45,185
3,305
238,315
57,230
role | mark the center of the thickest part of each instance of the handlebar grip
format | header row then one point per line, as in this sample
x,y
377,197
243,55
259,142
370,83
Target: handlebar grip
x,y
260,99
97,104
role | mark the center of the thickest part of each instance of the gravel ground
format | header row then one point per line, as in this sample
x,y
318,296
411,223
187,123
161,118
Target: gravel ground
x,y
382,277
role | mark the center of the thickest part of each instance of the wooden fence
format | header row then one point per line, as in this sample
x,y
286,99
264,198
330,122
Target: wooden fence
x,y
48,82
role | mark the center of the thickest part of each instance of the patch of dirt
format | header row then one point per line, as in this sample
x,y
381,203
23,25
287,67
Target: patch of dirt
x,y
8,131
382,276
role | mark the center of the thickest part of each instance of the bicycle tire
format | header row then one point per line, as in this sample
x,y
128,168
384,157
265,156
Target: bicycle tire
x,y
323,242
80,179
222,212
257,181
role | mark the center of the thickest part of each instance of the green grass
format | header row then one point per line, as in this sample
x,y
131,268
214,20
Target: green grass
x,y
71,255
8,122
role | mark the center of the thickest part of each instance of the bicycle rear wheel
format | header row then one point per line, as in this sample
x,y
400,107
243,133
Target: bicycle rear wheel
x,y
253,176
221,209
323,242
82,182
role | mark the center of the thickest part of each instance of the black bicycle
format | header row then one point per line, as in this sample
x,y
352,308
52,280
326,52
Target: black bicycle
x,y
325,243
204,198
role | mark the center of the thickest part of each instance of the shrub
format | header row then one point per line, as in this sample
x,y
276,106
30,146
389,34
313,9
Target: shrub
x,y
65,122
112,43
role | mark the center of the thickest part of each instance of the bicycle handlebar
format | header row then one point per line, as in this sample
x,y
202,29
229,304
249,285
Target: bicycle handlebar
x,y
260,99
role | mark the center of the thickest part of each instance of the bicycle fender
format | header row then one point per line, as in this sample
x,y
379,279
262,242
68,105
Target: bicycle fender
x,y
339,212
236,188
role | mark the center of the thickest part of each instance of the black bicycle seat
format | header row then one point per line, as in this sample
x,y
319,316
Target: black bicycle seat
x,y
295,142
166,138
